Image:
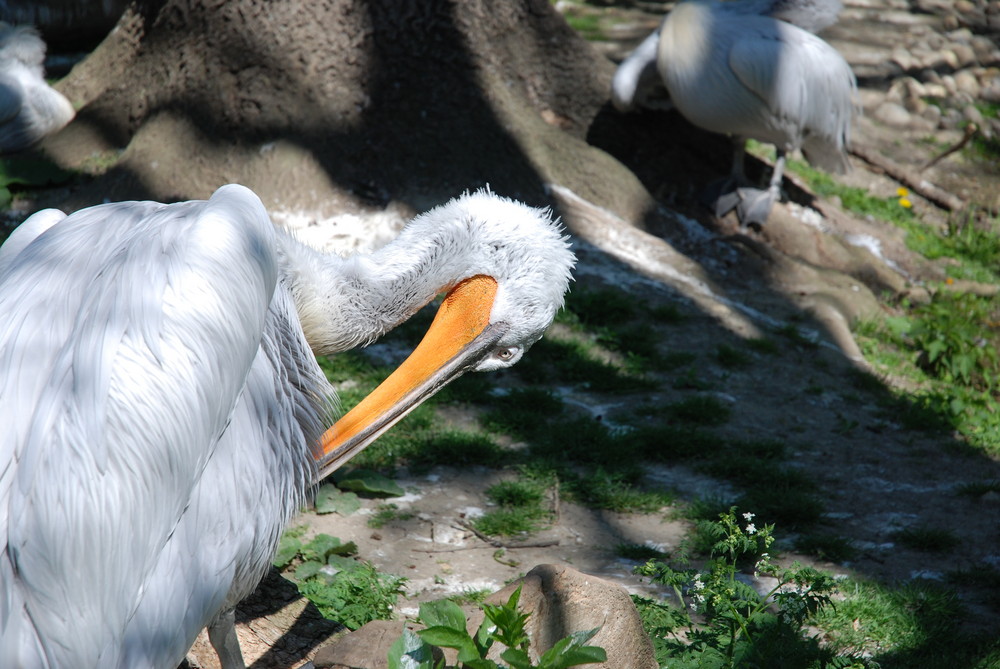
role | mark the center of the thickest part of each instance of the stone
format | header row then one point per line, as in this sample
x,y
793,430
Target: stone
x,y
892,113
965,54
973,115
561,601
966,82
931,114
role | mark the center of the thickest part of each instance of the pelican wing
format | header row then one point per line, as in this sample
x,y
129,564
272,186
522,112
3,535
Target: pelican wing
x,y
804,83
127,332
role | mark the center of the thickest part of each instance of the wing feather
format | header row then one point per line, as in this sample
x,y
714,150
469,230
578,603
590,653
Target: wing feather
x,y
127,332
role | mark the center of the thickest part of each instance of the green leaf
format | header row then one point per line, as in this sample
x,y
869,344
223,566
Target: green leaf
x,y
479,664
443,613
570,651
288,548
343,563
31,172
323,546
329,499
307,569
572,657
409,651
516,658
449,637
370,482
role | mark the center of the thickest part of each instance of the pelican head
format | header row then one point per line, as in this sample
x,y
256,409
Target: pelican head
x,y
514,270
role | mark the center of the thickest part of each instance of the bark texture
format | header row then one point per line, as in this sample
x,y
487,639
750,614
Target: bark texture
x,y
340,103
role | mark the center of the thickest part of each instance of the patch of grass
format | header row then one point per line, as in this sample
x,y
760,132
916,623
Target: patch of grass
x,y
597,308
470,596
588,25
574,362
927,539
763,345
794,335
385,514
985,578
455,448
977,488
731,357
672,443
945,354
23,173
826,546
617,491
699,410
674,360
857,200
638,552
521,508
886,621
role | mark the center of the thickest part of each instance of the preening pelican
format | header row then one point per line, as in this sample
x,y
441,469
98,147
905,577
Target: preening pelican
x,y
753,70
163,410
29,108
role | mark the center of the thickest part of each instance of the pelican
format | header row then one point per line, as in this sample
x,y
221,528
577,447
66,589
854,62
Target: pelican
x,y
164,414
751,70
30,109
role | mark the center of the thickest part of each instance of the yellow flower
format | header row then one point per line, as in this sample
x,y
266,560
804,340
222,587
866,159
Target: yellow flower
x,y
902,192
949,281
904,202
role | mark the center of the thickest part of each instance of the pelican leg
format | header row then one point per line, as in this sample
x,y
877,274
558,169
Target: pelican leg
x,y
722,196
222,635
755,204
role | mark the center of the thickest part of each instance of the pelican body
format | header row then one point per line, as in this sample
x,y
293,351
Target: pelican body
x,y
164,414
29,108
737,68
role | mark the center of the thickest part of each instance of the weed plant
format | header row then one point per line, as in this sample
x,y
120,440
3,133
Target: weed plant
x,y
344,589
503,624
726,623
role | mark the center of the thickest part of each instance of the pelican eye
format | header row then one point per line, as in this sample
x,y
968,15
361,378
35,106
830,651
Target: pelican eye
x,y
505,353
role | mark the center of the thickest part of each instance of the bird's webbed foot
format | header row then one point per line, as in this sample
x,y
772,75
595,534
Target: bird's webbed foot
x,y
721,196
754,205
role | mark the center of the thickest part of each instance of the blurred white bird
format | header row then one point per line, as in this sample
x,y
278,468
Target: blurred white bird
x,y
163,410
30,109
749,69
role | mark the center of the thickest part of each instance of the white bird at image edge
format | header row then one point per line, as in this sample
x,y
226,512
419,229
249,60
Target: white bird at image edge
x,y
164,413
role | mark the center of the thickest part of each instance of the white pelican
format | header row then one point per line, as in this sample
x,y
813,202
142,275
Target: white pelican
x,y
29,108
163,411
750,70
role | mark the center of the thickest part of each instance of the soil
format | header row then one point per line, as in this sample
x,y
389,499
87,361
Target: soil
x,y
812,265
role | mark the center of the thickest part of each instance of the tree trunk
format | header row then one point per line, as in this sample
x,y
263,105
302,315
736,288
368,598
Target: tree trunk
x,y
343,103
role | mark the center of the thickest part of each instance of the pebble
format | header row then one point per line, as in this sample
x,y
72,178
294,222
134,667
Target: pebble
x,y
893,113
967,82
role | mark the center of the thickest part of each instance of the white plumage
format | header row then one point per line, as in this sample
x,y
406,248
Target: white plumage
x,y
30,109
736,68
163,410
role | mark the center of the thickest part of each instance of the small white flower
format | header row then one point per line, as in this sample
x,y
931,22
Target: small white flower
x,y
748,515
751,528
698,585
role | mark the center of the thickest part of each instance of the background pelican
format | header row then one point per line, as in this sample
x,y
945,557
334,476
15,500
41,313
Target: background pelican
x,y
749,69
163,409
29,108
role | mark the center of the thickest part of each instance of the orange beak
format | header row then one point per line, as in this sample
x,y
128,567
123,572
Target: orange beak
x,y
459,337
